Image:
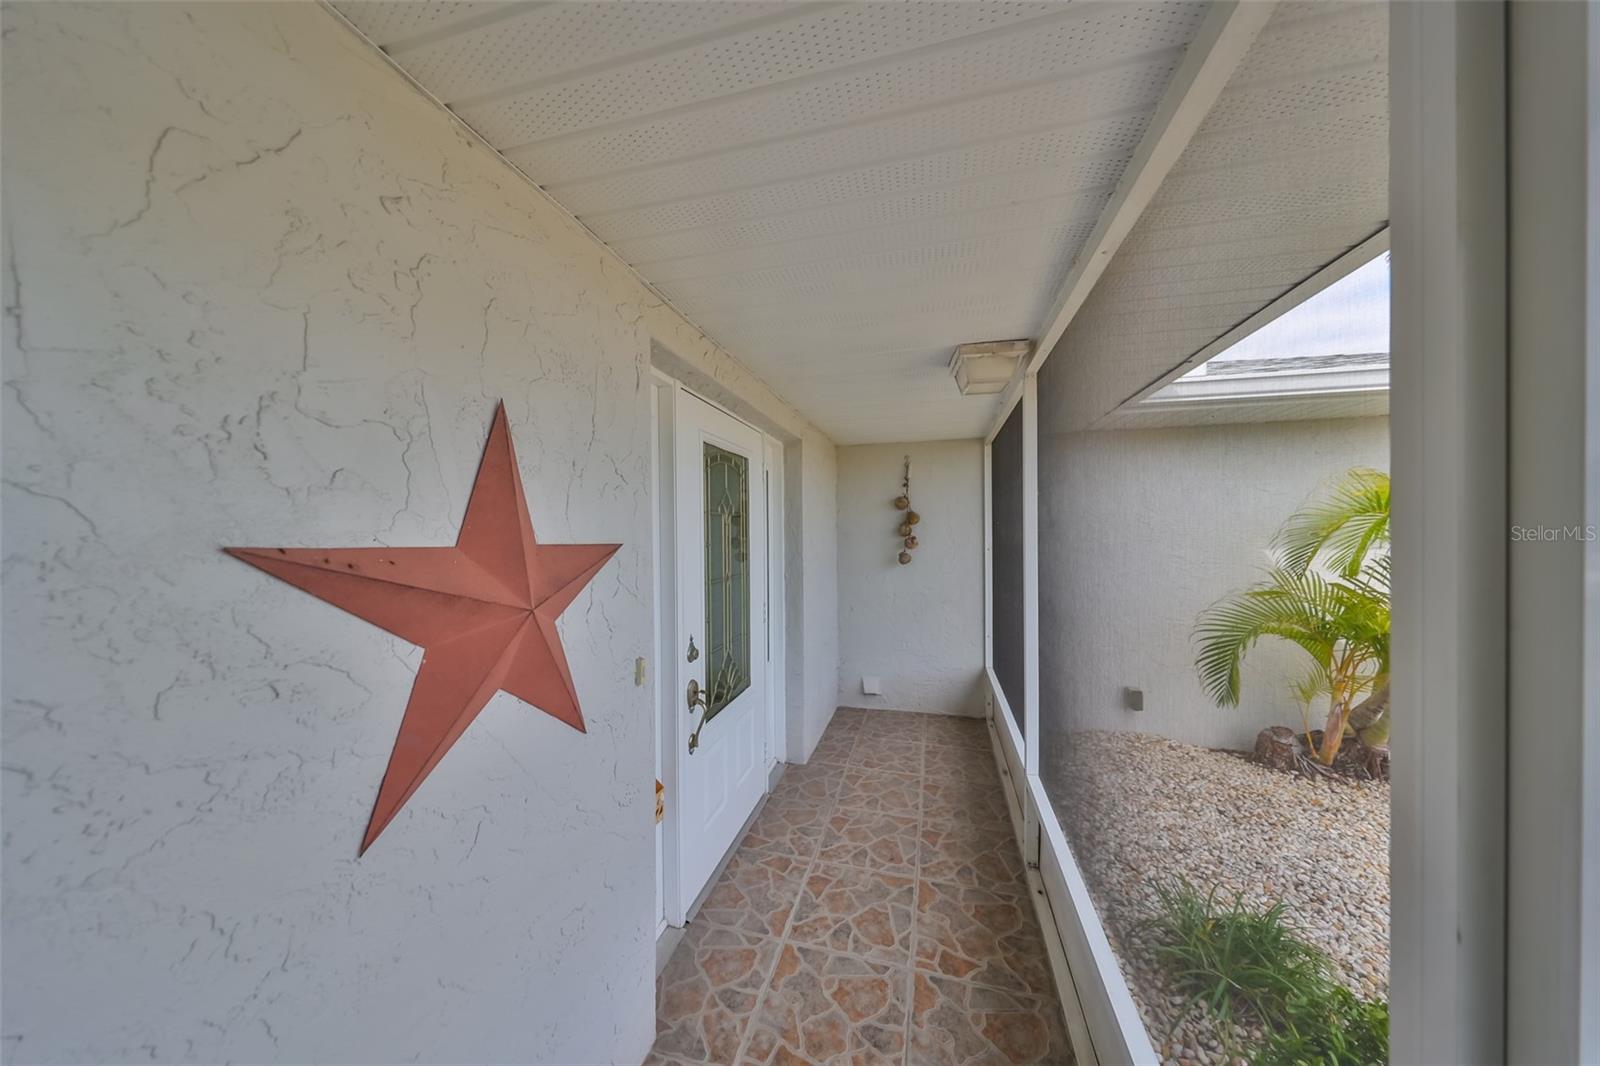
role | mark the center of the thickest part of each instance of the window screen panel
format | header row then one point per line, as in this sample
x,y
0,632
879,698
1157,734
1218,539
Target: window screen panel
x,y
1005,459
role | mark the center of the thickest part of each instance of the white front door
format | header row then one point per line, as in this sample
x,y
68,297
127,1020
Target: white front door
x,y
721,557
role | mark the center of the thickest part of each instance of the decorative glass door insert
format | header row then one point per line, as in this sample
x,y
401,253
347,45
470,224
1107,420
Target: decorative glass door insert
x,y
727,502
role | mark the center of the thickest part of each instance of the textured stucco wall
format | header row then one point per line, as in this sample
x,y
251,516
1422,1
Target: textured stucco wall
x,y
258,291
918,627
819,545
1139,531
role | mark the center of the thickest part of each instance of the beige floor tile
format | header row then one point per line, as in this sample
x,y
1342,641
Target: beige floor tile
x,y
881,790
756,894
980,936
957,1024
826,1008
786,828
897,754
871,839
855,911
946,799
706,995
974,854
883,868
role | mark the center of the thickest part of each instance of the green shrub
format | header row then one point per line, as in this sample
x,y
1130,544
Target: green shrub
x,y
1337,1030
1247,968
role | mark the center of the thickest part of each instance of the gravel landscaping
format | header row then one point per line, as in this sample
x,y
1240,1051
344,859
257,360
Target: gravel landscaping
x,y
1139,808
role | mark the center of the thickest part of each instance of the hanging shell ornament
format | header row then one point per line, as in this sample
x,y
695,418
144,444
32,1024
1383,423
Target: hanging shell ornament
x,y
902,502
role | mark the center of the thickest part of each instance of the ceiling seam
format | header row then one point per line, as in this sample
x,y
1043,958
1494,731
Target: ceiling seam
x,y
794,13
940,186
1085,193
472,22
953,44
960,146
1151,57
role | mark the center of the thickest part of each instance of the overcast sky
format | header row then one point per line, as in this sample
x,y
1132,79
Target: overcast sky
x,y
1350,316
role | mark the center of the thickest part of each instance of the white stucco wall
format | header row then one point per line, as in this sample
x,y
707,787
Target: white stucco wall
x,y
1139,532
917,627
258,291
819,541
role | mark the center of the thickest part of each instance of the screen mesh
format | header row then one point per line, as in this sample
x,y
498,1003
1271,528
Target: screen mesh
x,y
1005,457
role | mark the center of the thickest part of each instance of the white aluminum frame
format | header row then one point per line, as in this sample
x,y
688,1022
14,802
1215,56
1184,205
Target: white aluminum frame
x,y
1451,1001
1553,586
1100,1015
1448,431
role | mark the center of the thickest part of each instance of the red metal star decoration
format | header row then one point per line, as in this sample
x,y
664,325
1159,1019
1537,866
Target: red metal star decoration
x,y
484,612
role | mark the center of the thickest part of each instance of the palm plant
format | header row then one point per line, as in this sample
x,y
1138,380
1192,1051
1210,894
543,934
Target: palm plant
x,y
1327,592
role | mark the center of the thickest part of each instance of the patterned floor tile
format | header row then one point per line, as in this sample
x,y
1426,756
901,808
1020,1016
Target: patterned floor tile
x,y
972,854
907,724
880,790
786,829
708,992
964,763
861,912
948,731
835,746
755,894
827,1008
983,937
964,800
896,753
957,1024
885,861
813,782
870,839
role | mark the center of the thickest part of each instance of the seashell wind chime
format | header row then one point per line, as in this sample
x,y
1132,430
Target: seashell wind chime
x,y
907,531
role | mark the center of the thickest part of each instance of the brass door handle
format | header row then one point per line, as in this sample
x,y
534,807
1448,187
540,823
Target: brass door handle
x,y
696,698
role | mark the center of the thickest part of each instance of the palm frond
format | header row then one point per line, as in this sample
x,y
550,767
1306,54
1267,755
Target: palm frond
x,y
1343,529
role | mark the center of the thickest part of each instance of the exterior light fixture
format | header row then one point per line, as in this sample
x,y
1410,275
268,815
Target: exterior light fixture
x,y
985,368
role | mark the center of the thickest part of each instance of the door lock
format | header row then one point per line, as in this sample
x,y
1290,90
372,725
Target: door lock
x,y
694,652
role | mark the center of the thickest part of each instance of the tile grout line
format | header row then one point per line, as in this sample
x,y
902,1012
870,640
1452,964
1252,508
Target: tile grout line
x,y
788,925
826,807
916,897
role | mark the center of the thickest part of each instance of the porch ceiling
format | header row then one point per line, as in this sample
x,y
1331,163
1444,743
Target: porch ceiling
x,y
1288,172
839,193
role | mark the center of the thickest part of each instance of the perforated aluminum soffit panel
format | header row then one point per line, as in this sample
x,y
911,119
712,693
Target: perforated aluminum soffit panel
x,y
1288,172
838,193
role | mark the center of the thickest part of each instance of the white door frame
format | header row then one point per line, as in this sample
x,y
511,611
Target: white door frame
x,y
777,604
663,402
671,726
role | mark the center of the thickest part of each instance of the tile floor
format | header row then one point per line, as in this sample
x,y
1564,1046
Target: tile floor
x,y
875,912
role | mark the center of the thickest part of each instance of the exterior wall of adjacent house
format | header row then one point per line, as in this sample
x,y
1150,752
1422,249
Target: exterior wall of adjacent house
x,y
261,292
1141,530
918,628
